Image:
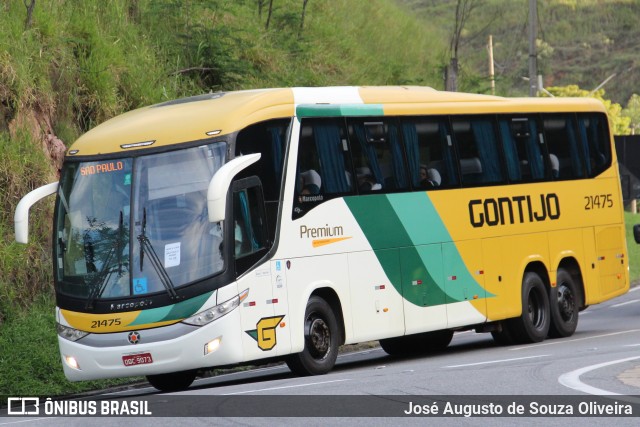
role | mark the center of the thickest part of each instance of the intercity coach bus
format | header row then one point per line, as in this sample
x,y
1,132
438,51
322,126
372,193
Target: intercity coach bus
x,y
282,223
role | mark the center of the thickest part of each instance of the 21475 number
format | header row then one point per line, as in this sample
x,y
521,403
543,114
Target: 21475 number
x,y
105,323
598,201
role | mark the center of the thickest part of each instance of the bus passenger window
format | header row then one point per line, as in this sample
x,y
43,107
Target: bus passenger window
x,y
562,142
249,231
429,153
478,151
366,180
378,156
522,150
310,182
595,143
323,170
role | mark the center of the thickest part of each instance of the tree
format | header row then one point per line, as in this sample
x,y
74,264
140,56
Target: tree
x,y
304,9
463,11
632,111
619,123
266,25
30,5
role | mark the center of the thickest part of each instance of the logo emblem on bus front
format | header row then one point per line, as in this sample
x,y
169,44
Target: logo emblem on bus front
x,y
134,337
265,332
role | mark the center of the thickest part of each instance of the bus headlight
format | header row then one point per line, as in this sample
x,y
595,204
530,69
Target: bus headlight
x,y
208,316
70,334
72,362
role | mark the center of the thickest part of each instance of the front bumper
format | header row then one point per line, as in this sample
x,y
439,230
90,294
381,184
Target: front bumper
x,y
175,354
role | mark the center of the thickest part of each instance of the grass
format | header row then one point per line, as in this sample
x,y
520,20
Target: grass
x,y
633,248
30,361
80,63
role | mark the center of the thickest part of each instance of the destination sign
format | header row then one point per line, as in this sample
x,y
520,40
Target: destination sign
x,y
101,168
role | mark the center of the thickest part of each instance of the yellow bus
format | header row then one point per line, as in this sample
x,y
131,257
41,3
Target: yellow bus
x,y
398,214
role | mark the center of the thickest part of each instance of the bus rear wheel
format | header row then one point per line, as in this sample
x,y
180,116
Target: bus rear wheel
x,y
175,381
533,324
320,340
563,300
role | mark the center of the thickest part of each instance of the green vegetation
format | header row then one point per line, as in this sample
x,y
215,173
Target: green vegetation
x,y
589,43
73,65
618,122
633,248
76,64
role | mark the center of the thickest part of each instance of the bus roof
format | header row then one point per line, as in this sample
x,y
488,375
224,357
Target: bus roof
x,y
200,117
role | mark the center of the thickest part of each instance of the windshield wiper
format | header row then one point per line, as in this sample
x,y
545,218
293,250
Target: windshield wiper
x,y
146,247
99,283
119,243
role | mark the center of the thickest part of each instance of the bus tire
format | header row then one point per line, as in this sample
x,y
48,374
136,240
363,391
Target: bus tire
x,y
175,381
564,306
321,336
503,336
438,340
533,324
425,342
399,346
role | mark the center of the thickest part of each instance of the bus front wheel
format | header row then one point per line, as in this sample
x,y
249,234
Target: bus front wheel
x,y
320,340
176,381
563,300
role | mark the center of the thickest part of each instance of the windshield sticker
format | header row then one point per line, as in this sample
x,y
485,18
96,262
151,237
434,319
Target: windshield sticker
x,y
172,255
80,266
140,286
127,179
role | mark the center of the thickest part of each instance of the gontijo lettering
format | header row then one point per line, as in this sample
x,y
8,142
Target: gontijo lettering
x,y
101,168
514,209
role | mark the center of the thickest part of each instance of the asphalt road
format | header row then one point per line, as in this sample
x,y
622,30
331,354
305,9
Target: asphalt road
x,y
601,359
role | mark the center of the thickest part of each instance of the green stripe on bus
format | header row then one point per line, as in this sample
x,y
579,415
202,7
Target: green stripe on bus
x,y
419,217
384,230
338,110
177,311
410,223
424,226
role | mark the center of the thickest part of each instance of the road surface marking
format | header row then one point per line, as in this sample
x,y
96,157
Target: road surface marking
x,y
497,361
625,303
572,379
573,340
283,387
24,421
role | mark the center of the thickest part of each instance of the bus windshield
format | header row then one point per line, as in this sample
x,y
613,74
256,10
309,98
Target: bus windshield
x,y
136,226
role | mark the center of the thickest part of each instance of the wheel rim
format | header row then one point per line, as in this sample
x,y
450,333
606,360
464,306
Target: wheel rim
x,y
318,337
566,302
536,309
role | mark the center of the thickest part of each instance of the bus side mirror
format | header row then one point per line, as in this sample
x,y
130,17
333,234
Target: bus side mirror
x,y
220,183
636,232
21,216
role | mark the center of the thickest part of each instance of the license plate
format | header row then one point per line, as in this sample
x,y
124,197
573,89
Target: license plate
x,y
137,359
